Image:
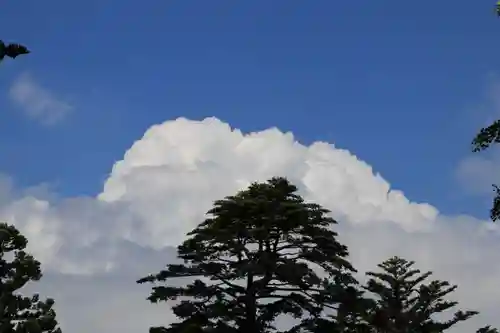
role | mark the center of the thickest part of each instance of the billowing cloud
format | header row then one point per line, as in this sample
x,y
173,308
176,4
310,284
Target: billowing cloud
x,y
203,161
170,177
37,102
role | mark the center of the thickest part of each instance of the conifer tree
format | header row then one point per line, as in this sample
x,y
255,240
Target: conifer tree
x,y
261,253
406,303
18,313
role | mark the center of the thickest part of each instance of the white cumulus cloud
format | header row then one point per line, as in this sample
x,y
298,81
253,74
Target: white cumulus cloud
x,y
37,102
202,161
170,177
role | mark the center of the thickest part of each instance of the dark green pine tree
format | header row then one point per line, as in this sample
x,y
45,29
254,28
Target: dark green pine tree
x,y
253,260
405,303
18,313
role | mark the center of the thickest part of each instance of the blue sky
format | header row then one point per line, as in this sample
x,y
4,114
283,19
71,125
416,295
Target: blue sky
x,y
397,83
403,85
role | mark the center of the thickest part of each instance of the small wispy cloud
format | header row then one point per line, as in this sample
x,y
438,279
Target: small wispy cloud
x,y
37,102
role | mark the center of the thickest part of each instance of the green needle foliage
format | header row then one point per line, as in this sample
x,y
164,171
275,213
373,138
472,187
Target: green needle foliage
x,y
21,314
256,257
405,303
12,50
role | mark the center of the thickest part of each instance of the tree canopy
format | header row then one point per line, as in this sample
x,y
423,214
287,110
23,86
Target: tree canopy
x,y
12,50
18,313
262,253
265,252
397,299
486,137
406,302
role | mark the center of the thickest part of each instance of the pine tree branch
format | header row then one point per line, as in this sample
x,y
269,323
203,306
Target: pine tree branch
x,y
232,285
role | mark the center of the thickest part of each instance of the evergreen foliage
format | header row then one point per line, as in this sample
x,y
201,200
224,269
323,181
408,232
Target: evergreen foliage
x,y
406,302
262,253
18,313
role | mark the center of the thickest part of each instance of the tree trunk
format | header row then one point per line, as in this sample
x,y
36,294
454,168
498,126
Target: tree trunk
x,y
251,307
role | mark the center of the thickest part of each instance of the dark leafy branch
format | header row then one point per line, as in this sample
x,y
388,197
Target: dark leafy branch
x,y
20,313
12,50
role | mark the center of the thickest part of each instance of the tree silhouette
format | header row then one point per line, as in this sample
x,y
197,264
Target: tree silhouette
x,y
12,50
256,257
21,314
483,140
404,302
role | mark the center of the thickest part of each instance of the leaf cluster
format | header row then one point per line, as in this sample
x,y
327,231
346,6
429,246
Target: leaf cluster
x,y
18,313
12,50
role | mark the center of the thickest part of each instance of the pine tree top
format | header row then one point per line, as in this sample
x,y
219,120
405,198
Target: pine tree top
x,y
260,253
